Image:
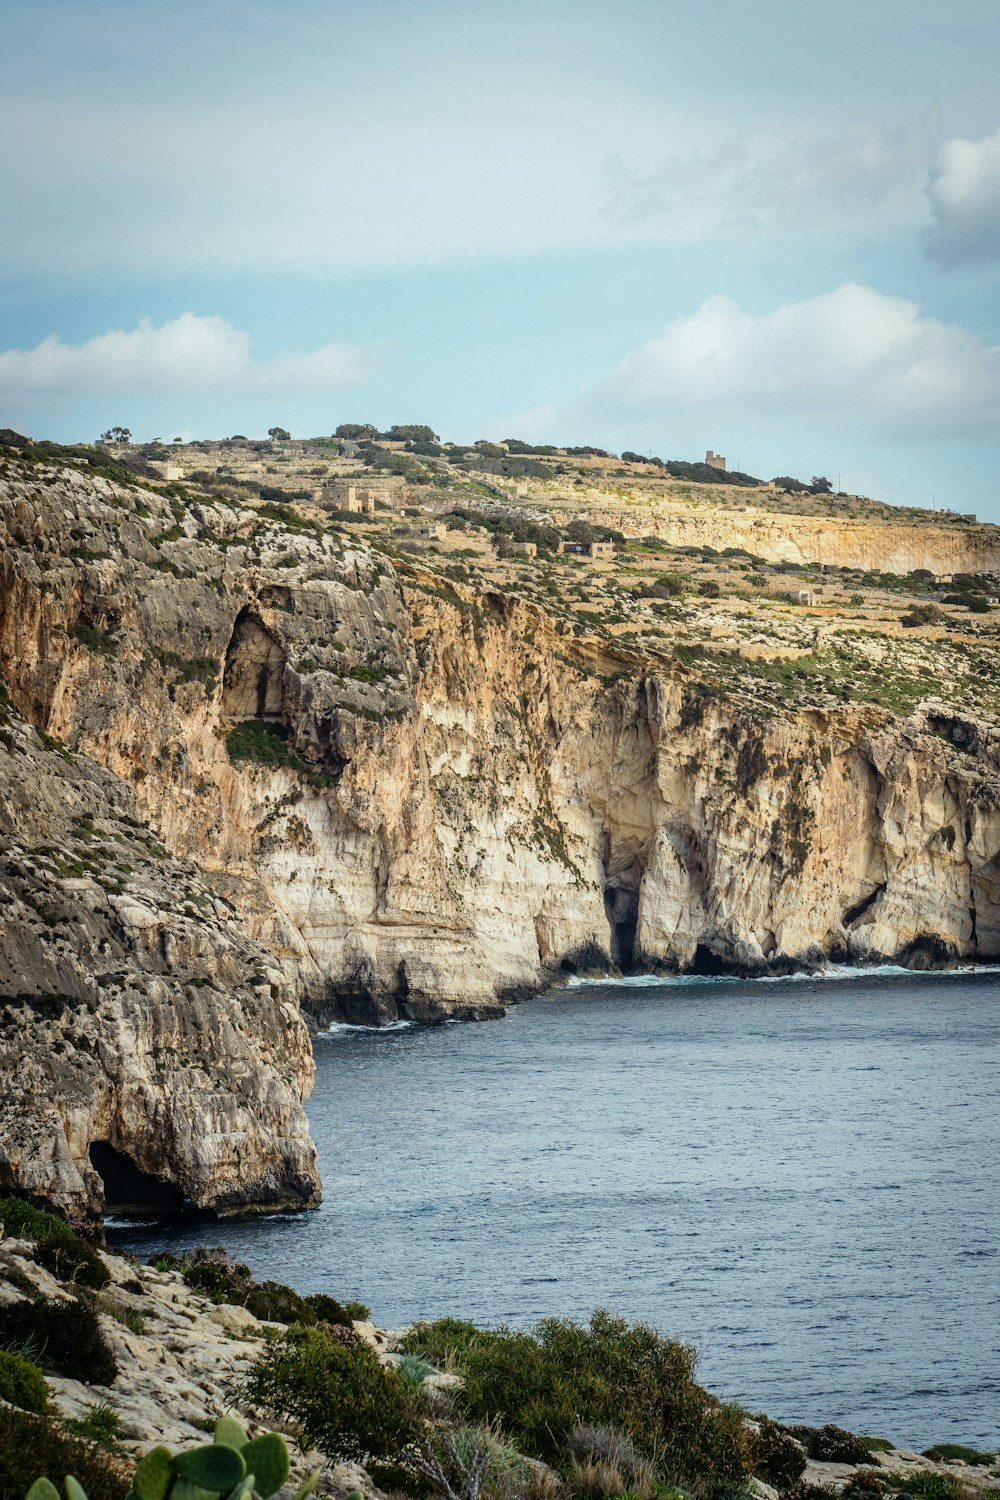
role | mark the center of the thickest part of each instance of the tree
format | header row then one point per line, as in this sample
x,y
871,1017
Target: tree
x,y
356,432
821,485
116,435
412,434
279,434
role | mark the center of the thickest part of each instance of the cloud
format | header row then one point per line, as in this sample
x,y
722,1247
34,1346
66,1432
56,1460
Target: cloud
x,y
869,171
189,355
852,357
964,192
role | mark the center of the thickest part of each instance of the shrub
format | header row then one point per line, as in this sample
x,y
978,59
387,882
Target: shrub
x,y
333,1387
260,741
606,1462
32,1448
100,1425
73,1260
943,1451
24,1222
67,1336
21,1382
780,1457
832,1445
926,1486
541,1385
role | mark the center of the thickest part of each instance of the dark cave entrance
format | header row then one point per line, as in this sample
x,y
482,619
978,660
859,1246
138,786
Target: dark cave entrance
x,y
622,908
130,1190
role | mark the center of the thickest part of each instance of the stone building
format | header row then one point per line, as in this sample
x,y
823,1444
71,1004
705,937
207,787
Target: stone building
x,y
601,551
524,549
715,460
358,496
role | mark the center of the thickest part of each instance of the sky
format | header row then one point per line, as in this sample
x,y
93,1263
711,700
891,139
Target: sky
x,y
770,230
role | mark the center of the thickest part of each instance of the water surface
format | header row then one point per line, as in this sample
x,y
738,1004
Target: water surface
x,y
800,1177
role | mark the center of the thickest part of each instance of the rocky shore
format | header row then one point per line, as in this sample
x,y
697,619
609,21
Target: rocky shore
x,y
180,1355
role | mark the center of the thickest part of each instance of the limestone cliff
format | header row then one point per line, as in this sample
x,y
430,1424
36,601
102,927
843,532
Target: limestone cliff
x,y
151,1056
422,799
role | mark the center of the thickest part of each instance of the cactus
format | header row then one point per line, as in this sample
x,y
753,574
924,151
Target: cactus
x,y
154,1476
213,1467
230,1434
267,1456
233,1466
43,1489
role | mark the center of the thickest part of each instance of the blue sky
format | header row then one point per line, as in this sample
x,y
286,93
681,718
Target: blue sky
x,y
772,230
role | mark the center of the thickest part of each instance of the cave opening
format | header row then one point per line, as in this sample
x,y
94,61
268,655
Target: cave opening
x,y
254,669
130,1190
622,908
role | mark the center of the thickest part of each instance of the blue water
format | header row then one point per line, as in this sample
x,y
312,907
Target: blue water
x,y
801,1177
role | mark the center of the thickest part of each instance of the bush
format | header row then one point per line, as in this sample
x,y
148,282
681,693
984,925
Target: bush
x,y
23,1222
66,1335
21,1382
542,1385
261,741
329,1310
333,1387
73,1260
944,1451
832,1445
33,1448
922,614
780,1457
606,1462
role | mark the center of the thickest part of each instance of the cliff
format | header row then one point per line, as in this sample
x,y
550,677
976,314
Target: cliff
x,y
151,1055
422,797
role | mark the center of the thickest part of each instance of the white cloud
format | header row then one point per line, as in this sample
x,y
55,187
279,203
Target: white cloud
x,y
851,357
964,191
189,355
868,172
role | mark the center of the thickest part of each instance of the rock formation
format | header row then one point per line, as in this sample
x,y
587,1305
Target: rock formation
x,y
420,800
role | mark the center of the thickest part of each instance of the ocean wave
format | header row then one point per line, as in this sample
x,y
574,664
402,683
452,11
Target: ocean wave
x,y
348,1028
829,973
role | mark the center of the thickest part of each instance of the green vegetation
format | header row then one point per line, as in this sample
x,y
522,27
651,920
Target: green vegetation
x,y
944,1451
97,641
261,741
832,1445
66,1335
56,1247
232,1465
222,1280
22,1382
541,1385
32,1447
341,1398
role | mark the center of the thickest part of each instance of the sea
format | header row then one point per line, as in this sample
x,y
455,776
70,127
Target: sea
x,y
800,1177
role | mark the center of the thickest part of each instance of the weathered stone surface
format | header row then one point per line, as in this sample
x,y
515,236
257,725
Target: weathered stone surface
x,y
452,802
136,1019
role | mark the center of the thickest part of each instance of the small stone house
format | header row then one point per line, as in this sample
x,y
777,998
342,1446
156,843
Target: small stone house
x,y
601,551
805,596
524,549
358,496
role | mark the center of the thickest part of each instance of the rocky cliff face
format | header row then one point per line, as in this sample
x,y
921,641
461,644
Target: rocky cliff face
x,y
842,542
151,1056
422,800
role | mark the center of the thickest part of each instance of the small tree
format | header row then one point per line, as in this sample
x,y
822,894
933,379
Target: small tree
x,y
279,434
116,435
356,432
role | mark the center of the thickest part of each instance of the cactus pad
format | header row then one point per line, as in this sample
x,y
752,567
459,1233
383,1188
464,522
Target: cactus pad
x,y
42,1489
229,1434
214,1467
267,1457
155,1475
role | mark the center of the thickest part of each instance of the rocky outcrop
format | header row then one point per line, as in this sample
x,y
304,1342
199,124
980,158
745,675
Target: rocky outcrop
x,y
422,799
152,1056
742,520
